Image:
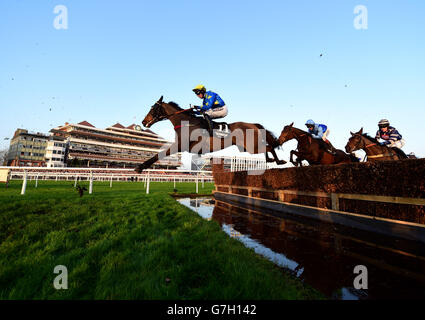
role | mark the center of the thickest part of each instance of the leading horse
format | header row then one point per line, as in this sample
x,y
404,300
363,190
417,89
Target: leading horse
x,y
312,150
374,150
192,135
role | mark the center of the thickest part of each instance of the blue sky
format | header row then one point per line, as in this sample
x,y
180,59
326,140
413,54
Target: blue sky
x,y
263,57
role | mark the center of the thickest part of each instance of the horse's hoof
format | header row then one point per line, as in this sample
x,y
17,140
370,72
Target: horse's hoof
x,y
281,162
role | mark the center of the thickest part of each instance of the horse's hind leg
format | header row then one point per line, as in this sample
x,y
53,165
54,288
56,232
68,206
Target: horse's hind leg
x,y
268,159
278,161
272,143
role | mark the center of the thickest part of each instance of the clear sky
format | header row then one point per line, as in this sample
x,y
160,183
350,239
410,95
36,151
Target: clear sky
x,y
263,57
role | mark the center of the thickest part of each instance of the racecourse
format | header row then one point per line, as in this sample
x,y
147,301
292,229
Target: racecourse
x,y
121,243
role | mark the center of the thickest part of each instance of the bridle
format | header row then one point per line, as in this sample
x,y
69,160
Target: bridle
x,y
357,145
157,116
367,146
291,129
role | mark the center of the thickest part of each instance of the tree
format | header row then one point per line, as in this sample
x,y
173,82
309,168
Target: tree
x,y
3,157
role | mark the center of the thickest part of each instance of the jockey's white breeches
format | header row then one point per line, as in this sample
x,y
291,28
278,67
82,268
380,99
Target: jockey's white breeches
x,y
217,113
325,135
398,144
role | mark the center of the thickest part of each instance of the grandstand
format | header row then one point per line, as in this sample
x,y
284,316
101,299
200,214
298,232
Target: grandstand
x,y
84,145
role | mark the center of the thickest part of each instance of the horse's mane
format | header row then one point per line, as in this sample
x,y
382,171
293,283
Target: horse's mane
x,y
370,138
301,130
175,105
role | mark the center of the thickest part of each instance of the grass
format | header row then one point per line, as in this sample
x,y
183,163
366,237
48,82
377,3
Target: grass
x,y
120,243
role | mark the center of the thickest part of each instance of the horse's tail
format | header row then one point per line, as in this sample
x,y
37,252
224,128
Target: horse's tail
x,y
272,140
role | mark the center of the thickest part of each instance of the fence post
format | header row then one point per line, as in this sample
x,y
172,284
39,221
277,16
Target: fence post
x,y
91,183
36,181
335,201
24,183
110,184
148,182
197,183
281,195
174,182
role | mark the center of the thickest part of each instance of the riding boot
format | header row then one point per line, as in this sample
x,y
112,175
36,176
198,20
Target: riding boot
x,y
210,125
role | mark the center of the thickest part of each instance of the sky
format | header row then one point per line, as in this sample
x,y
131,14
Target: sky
x,y
116,58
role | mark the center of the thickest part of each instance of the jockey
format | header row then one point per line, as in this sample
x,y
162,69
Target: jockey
x,y
320,131
213,106
390,136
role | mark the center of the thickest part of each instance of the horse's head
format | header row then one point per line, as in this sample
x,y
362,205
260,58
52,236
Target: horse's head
x,y
356,142
156,113
287,134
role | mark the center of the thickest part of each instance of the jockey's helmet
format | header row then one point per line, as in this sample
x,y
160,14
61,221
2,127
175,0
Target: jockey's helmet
x,y
310,123
383,123
199,89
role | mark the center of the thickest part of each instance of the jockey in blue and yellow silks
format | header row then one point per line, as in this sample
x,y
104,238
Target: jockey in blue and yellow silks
x,y
212,104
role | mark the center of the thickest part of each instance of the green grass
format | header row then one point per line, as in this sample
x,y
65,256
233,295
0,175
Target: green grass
x,y
120,243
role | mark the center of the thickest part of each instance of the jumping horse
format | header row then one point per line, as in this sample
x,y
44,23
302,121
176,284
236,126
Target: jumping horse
x,y
374,150
250,137
314,151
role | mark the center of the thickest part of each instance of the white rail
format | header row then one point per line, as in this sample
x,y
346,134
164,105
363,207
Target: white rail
x,y
235,163
103,174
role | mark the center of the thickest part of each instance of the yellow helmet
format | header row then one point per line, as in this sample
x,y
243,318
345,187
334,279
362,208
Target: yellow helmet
x,y
199,89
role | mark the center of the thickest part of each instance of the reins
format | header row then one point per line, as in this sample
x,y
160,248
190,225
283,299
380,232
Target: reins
x,y
176,113
181,111
381,155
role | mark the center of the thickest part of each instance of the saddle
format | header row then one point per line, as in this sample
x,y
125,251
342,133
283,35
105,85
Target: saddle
x,y
326,146
215,129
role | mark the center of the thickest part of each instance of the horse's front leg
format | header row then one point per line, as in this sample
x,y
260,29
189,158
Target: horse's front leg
x,y
148,163
291,158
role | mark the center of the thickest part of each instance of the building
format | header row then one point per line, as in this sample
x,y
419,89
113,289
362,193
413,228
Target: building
x,y
27,149
56,151
83,144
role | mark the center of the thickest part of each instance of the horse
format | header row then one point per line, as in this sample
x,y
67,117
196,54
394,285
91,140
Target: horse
x,y
312,150
187,124
374,150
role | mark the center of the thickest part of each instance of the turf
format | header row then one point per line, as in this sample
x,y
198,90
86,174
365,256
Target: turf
x,y
120,243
